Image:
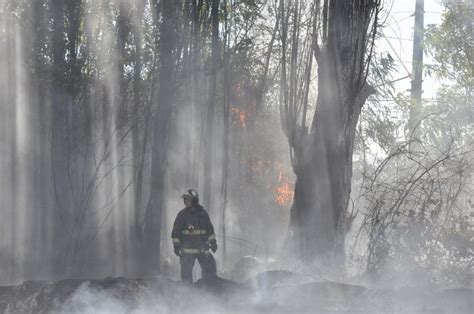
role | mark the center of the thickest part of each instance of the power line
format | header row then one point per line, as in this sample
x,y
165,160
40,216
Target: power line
x,y
396,80
431,100
397,32
399,38
430,12
396,21
396,54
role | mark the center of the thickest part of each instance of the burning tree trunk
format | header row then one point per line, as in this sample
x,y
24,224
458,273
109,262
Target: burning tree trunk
x,y
322,154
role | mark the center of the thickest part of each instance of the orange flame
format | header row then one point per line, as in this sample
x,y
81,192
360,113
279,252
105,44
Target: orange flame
x,y
240,117
285,188
284,193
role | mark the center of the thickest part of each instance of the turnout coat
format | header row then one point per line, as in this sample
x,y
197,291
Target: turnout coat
x,y
192,230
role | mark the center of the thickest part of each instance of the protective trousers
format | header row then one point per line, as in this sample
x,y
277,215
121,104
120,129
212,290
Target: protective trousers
x,y
205,259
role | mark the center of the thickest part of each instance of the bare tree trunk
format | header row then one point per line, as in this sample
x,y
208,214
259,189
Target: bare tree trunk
x,y
196,8
208,138
138,150
225,137
60,138
323,156
154,211
188,70
10,44
43,211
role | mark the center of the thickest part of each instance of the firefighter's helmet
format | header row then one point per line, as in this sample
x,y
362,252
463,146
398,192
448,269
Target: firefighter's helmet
x,y
191,195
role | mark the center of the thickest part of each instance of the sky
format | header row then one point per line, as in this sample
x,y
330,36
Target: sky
x,y
398,30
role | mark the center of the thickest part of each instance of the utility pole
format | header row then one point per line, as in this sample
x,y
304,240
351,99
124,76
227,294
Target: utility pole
x,y
417,70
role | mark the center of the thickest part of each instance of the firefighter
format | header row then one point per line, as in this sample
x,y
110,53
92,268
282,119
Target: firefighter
x,y
193,235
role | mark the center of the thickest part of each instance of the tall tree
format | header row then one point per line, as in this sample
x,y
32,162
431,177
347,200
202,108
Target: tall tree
x,y
322,153
138,147
196,11
451,44
60,132
225,136
208,139
154,211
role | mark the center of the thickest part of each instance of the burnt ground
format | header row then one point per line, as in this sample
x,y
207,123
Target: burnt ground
x,y
269,292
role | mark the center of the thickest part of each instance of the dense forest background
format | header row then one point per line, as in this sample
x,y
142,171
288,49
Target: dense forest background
x,y
273,110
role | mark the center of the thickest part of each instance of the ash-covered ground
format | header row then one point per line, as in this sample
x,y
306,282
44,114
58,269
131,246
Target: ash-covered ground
x,y
268,292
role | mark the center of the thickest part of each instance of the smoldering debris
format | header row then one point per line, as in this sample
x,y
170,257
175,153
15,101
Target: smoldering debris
x,y
271,291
